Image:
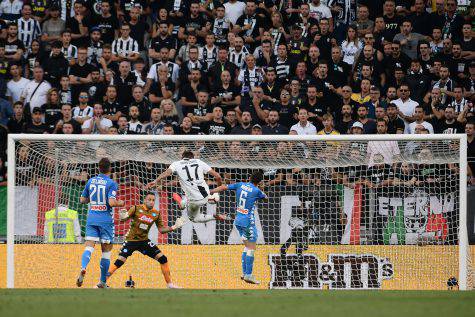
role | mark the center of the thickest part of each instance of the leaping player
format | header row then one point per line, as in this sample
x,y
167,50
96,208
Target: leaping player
x,y
143,217
190,172
246,196
100,192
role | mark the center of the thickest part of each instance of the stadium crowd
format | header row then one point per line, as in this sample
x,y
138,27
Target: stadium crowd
x,y
237,67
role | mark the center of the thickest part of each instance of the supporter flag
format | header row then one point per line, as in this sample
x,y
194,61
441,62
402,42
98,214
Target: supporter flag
x,y
395,232
352,202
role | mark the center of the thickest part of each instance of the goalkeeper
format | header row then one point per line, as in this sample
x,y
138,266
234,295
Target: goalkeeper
x,y
143,217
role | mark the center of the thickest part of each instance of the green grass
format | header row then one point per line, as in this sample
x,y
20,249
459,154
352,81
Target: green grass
x,y
289,303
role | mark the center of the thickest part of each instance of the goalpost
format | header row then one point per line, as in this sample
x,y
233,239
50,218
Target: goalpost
x,y
343,212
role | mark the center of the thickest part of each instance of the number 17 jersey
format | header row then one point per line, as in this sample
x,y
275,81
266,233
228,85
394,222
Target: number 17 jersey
x,y
191,172
99,189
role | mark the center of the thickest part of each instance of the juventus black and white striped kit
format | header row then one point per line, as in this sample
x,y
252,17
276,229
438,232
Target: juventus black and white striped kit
x,y
70,52
238,58
28,31
209,55
282,68
221,30
125,47
459,106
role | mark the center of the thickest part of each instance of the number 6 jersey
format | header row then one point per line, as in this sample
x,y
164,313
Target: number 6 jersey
x,y
191,172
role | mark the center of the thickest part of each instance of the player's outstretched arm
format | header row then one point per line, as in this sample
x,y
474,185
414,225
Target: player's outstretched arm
x,y
116,202
125,214
178,224
217,177
156,182
219,189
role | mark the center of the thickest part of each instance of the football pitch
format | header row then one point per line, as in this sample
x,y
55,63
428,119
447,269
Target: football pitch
x,y
258,303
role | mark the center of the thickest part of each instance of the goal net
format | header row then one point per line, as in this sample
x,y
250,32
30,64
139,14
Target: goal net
x,y
343,212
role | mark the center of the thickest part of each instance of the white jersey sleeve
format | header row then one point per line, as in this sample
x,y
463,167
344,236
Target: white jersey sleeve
x,y
191,173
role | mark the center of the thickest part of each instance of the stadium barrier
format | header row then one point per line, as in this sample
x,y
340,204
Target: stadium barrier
x,y
373,267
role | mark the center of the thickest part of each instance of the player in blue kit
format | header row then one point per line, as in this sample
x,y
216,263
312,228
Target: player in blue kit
x,y
100,192
246,196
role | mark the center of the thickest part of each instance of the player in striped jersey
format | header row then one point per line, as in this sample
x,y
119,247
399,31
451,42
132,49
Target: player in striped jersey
x,y
125,47
190,173
28,28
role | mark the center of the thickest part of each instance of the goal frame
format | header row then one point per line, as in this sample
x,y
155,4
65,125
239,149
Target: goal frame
x,y
462,138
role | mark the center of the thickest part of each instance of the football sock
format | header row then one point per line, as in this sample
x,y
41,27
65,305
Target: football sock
x,y
249,261
166,272
117,264
104,264
243,261
86,257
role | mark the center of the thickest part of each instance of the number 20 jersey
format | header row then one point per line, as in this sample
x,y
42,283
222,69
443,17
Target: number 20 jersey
x,y
191,172
99,189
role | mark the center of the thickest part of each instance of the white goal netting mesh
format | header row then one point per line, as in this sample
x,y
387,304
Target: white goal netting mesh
x,y
339,214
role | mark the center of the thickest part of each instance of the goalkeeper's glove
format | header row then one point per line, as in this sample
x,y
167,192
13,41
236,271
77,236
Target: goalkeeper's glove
x,y
123,214
179,223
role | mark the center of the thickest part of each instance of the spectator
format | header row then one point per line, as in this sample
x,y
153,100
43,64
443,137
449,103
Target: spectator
x,y
34,94
169,113
225,94
51,109
124,81
388,149
405,104
156,125
111,106
303,127
53,27
449,124
17,120
419,120
215,125
125,48
395,124
67,117
56,66
134,125
98,124
369,125
144,105
417,81
35,125
408,40
80,74
28,27
163,88
108,23
187,127
273,126
346,119
328,128
189,92
83,112
245,124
